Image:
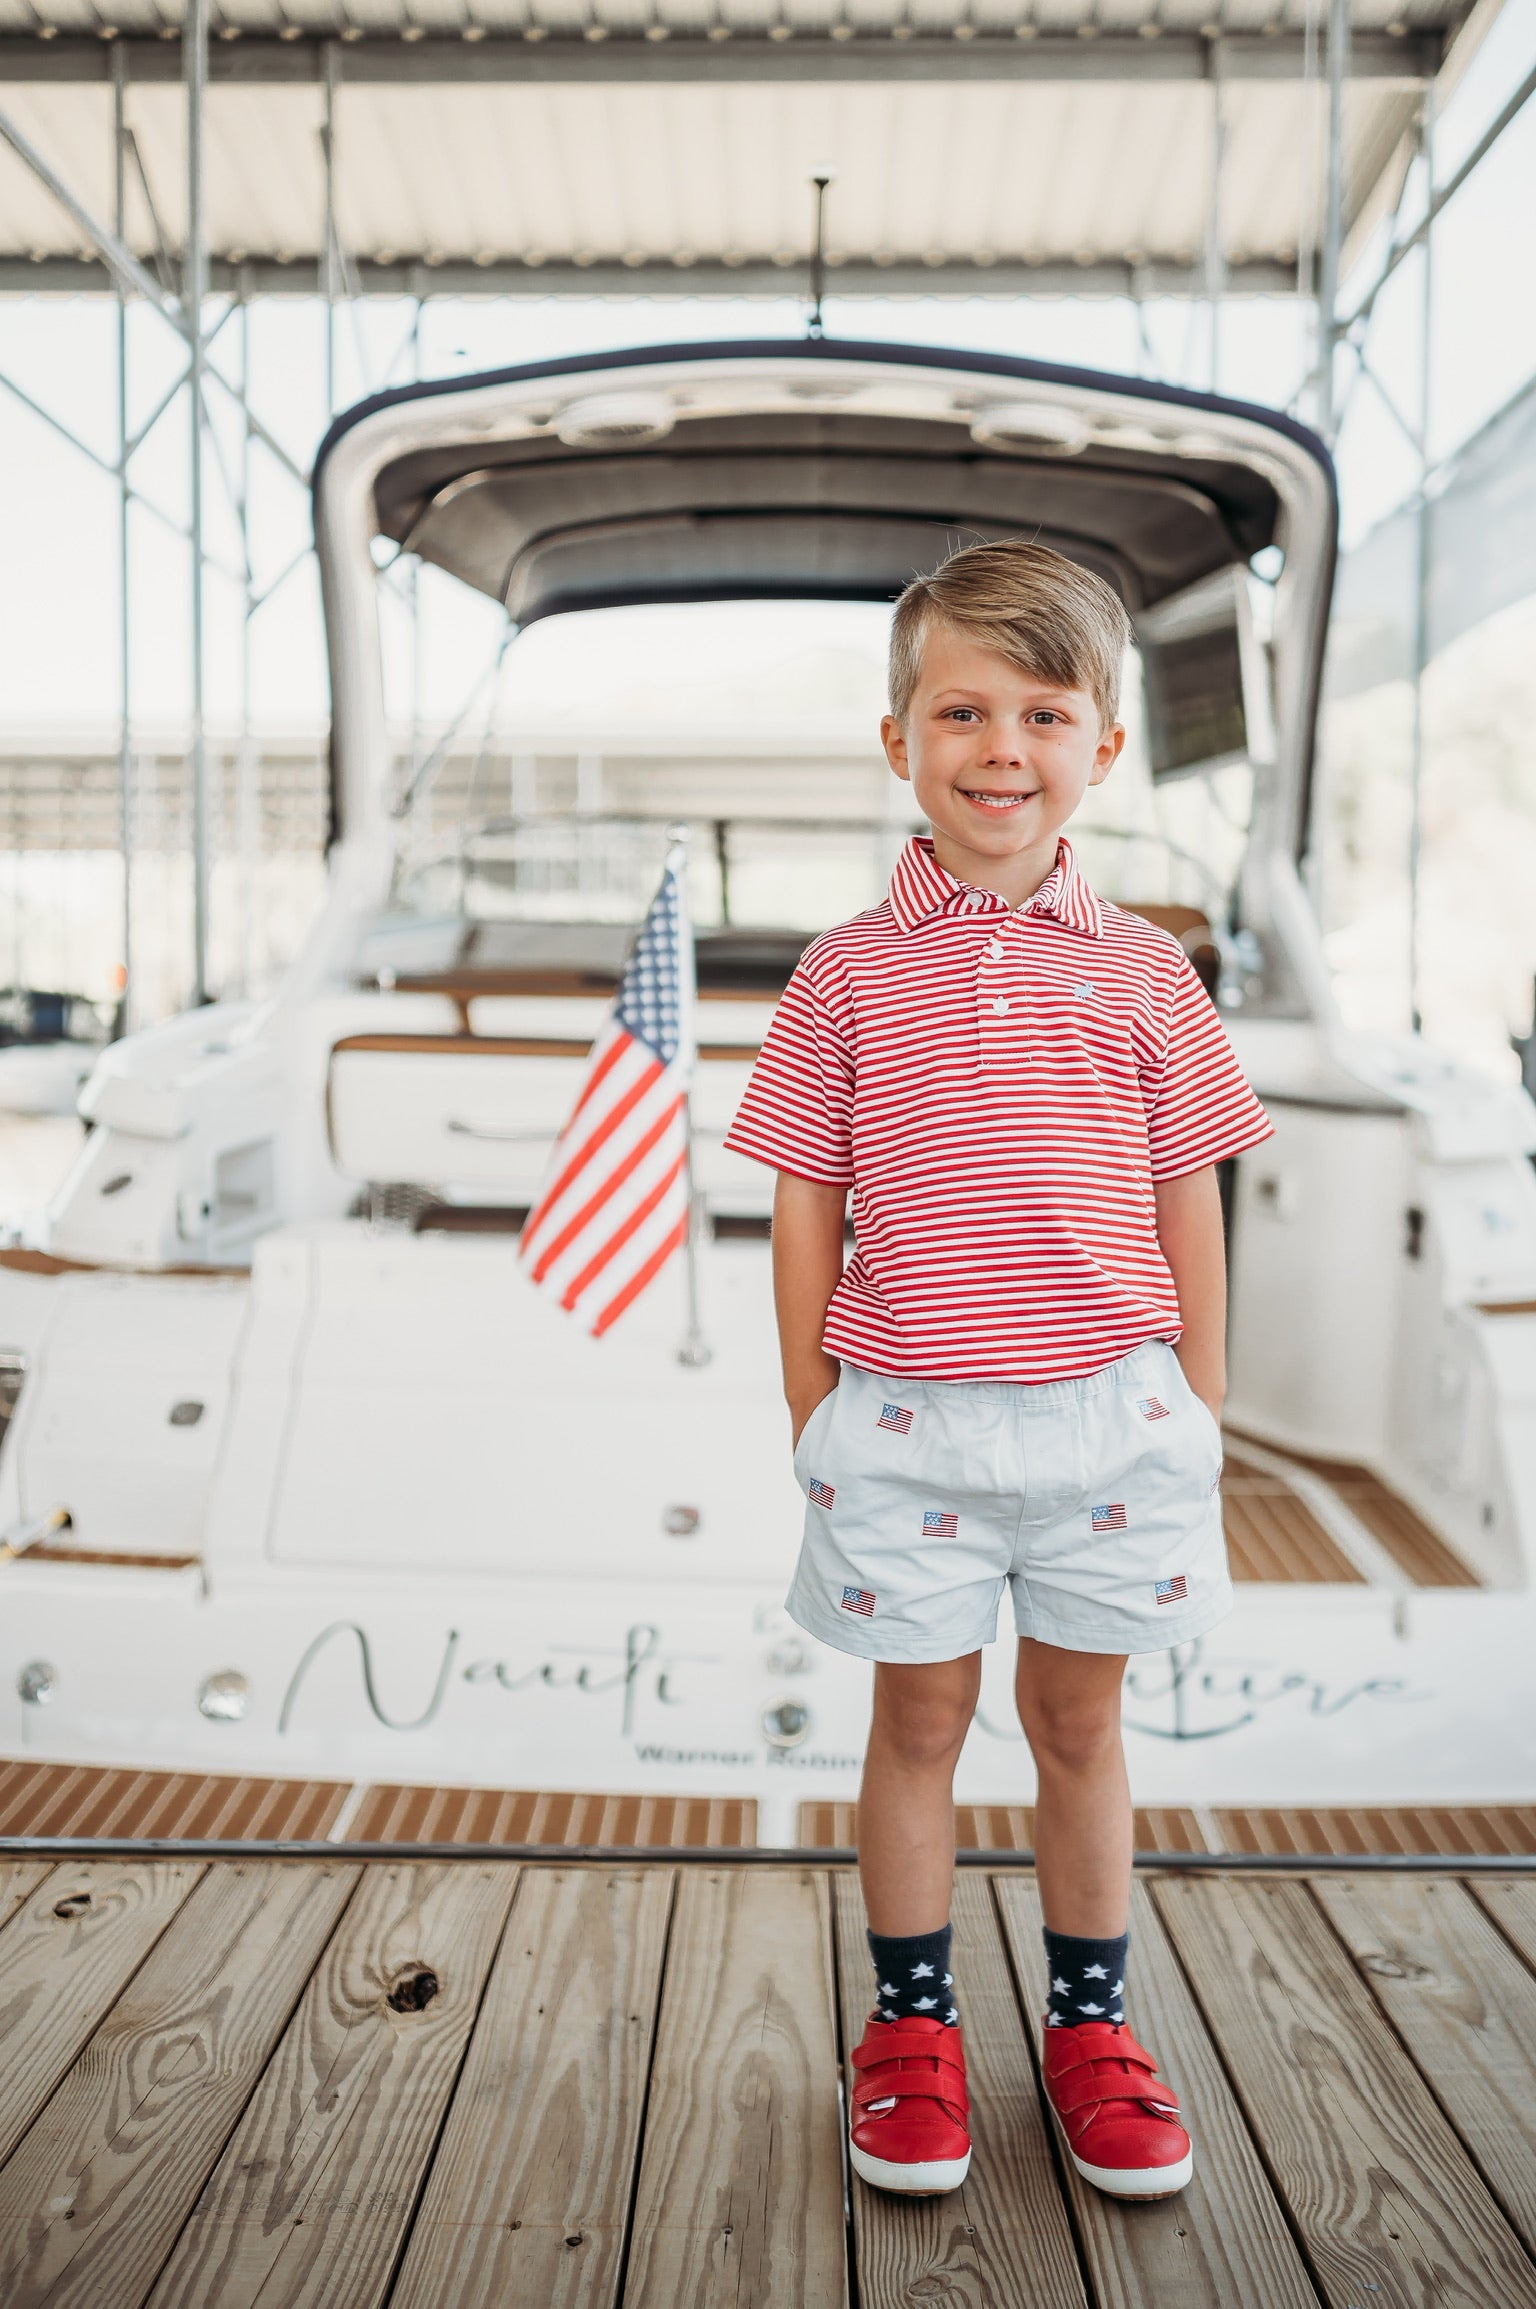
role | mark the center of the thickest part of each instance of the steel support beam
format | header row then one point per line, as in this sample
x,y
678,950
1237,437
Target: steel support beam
x,y
124,509
1410,57
194,280
330,287
1340,47
1447,192
1215,266
507,277
1423,572
120,261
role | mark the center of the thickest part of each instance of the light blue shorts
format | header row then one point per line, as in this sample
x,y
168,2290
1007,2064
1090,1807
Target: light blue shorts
x,y
1096,1500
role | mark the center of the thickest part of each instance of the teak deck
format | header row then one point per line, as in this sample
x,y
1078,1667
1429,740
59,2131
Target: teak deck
x,y
453,2084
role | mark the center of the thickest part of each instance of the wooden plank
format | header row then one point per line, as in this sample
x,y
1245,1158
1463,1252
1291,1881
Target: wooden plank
x,y
1272,1534
1451,1829
97,2193
1511,1902
397,1813
1465,2007
312,2197
1408,1539
1003,2241
104,1800
740,2198
530,2192
1225,2240
17,1879
65,1958
1383,2196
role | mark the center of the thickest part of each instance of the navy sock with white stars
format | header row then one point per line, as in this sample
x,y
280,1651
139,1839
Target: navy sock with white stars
x,y
913,1976
1087,1979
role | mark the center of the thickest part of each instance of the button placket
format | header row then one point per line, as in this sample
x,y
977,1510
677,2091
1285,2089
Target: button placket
x,y
998,998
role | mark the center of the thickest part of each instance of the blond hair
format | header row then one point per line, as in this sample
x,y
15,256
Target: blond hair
x,y
1043,613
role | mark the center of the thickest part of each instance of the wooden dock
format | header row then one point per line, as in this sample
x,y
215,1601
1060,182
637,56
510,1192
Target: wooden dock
x,y
456,2082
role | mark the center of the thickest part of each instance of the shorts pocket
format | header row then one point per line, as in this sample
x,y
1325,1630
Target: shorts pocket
x,y
1216,1441
820,1419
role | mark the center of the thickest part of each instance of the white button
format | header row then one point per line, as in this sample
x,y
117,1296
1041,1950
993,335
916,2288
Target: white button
x,y
994,948
1001,1005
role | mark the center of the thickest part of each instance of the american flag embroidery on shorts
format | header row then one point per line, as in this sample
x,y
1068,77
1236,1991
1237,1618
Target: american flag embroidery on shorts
x,y
1171,1590
940,1523
895,1418
860,1600
1111,1518
822,1493
1150,1408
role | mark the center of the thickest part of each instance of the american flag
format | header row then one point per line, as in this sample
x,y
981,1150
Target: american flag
x,y
940,1523
1110,1518
1150,1408
614,1204
861,1600
822,1493
1171,1590
895,1418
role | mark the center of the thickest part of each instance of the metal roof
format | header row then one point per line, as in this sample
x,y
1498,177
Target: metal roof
x,y
535,145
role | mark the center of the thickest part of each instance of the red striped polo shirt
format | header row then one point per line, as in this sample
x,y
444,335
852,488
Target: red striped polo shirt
x,y
1000,1087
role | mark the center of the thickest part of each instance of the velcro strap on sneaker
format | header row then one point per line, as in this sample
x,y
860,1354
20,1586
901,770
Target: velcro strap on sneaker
x,y
1087,2087
940,2045
1071,2050
877,2097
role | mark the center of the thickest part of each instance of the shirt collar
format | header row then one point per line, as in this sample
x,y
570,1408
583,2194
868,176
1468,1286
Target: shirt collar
x,y
921,887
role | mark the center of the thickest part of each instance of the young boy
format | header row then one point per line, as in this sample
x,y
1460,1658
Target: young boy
x,y
1017,1378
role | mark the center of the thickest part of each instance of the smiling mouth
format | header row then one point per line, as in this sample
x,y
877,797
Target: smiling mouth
x,y
987,801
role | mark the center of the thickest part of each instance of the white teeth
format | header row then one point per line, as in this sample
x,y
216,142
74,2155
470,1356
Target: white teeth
x,y
997,801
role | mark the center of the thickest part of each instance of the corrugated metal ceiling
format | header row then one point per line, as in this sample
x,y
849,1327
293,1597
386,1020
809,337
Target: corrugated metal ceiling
x,y
542,156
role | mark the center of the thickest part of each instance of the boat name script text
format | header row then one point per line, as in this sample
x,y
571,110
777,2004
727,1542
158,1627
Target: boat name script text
x,y
642,1666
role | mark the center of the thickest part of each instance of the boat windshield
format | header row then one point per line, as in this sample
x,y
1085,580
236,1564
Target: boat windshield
x,y
537,818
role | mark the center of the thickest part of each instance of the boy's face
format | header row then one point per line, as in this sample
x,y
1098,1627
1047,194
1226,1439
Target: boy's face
x,y
997,759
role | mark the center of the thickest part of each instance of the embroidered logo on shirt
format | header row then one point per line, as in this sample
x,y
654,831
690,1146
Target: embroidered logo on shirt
x,y
1085,990
1111,1518
1171,1590
822,1493
892,1416
940,1523
1150,1408
860,1600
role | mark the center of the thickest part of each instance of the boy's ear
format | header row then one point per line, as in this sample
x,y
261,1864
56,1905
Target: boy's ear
x,y
1107,753
893,738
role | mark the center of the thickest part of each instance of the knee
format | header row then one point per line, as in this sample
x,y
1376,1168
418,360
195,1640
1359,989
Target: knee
x,y
1073,1736
924,1729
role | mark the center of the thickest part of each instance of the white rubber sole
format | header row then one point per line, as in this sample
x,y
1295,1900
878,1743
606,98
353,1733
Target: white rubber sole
x,y
1152,2181
932,2180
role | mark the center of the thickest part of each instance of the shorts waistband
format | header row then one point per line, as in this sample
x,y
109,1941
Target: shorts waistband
x,y
1143,1364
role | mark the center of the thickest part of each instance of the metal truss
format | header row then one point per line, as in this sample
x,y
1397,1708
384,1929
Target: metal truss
x,y
706,277
1349,335
720,55
182,304
180,292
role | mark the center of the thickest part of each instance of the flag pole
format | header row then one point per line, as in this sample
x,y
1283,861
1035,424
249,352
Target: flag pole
x,y
695,1351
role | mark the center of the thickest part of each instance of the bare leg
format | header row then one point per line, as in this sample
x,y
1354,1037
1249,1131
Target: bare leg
x,y
1069,1706
906,1802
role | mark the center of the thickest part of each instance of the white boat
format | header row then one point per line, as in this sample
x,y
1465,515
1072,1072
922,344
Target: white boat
x,y
347,1499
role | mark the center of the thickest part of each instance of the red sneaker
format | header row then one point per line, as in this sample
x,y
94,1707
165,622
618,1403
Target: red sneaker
x,y
1122,2130
910,2104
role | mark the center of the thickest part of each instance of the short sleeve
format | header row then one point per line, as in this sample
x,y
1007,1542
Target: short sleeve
x,y
797,1114
1200,1109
